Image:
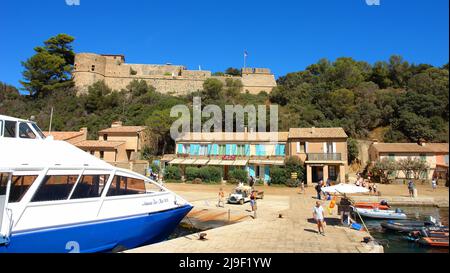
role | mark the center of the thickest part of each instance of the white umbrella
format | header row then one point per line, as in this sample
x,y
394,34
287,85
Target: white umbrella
x,y
345,189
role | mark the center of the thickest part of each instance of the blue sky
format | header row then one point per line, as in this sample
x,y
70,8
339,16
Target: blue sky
x,y
285,36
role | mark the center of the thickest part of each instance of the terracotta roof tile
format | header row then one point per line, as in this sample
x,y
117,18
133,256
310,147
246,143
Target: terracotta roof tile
x,y
337,132
400,148
123,129
64,135
437,147
99,144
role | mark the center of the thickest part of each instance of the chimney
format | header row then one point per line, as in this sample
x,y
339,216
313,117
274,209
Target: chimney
x,y
84,130
313,130
422,143
116,124
245,129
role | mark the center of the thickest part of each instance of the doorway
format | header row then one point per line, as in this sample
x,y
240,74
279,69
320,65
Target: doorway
x,y
317,173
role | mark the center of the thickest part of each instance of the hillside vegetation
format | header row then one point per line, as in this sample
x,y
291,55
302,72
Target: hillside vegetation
x,y
397,100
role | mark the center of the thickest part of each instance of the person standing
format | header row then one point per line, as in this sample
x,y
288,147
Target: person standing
x,y
319,217
374,188
433,183
302,187
220,202
411,188
319,189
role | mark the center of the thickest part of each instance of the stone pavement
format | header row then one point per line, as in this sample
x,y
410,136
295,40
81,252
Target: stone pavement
x,y
268,233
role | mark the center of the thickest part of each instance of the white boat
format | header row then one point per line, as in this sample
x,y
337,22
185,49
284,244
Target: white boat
x,y
380,214
55,197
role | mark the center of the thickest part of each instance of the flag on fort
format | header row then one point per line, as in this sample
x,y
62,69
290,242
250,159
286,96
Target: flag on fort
x,y
245,53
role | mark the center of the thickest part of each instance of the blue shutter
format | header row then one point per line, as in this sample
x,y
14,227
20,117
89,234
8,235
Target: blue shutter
x,y
180,148
282,149
266,173
251,170
247,149
234,149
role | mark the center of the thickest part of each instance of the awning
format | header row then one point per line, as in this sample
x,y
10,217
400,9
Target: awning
x,y
201,161
240,162
267,162
214,162
187,162
176,161
227,162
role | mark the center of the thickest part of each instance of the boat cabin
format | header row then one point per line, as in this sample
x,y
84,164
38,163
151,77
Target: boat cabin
x,y
19,128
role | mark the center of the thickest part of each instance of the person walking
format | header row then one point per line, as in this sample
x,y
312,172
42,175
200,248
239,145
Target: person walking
x,y
251,181
253,203
433,183
220,202
411,188
302,187
319,217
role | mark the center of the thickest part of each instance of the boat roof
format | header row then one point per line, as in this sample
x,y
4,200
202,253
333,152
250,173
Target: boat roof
x,y
18,153
3,117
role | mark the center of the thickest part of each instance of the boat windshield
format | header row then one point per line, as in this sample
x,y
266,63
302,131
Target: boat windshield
x,y
38,130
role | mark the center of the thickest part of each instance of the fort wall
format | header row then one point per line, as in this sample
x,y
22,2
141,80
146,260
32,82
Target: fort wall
x,y
169,79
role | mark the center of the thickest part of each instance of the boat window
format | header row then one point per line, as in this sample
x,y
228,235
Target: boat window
x,y
10,128
25,131
90,186
38,130
152,187
55,187
3,183
19,186
122,185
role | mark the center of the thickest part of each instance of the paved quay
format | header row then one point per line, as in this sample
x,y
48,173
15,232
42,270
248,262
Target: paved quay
x,y
295,232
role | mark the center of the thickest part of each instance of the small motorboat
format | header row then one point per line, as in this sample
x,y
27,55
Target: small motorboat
x,y
380,214
412,225
372,205
434,241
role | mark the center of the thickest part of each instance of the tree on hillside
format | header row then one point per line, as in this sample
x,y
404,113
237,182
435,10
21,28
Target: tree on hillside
x,y
233,71
212,89
158,126
50,67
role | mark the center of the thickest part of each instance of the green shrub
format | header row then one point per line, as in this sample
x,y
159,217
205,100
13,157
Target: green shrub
x,y
206,174
211,174
237,175
172,173
277,175
192,173
294,165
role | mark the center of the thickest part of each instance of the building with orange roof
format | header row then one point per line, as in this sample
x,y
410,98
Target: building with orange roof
x,y
134,138
434,154
323,150
110,151
69,136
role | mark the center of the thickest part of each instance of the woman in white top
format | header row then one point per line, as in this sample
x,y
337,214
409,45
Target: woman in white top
x,y
319,216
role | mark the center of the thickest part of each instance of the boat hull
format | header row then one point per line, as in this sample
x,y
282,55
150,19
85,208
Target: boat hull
x,y
381,214
99,236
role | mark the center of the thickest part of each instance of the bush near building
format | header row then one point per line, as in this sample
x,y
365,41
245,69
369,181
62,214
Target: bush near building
x,y
206,174
277,175
237,175
282,175
172,173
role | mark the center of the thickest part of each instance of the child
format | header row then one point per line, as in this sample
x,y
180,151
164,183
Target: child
x,y
220,202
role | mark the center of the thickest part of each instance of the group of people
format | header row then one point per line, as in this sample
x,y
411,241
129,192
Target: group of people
x,y
319,187
366,183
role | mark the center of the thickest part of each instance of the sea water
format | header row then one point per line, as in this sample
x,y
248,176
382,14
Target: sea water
x,y
396,243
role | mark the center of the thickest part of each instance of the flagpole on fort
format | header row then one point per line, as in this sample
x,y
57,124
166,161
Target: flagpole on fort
x,y
245,59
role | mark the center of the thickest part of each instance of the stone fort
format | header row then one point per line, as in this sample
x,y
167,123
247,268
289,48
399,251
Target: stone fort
x,y
170,79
